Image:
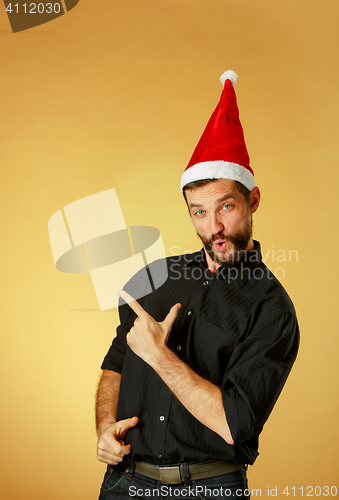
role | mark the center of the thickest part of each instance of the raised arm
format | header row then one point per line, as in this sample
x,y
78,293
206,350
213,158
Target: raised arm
x,y
199,396
111,447
147,338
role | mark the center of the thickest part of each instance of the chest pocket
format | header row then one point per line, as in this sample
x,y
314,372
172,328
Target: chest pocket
x,y
211,348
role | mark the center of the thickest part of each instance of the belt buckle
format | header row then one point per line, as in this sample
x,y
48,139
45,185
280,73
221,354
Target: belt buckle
x,y
170,475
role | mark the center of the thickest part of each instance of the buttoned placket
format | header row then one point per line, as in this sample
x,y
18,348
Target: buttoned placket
x,y
161,421
202,288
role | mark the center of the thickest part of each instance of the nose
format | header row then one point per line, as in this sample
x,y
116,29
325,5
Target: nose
x,y
216,224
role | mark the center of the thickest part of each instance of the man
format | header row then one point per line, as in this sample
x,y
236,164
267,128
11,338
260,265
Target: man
x,y
198,364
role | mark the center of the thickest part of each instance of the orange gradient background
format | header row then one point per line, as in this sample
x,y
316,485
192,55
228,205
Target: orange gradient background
x,y
116,94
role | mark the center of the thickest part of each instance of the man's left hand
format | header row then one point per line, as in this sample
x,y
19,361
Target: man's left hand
x,y
147,338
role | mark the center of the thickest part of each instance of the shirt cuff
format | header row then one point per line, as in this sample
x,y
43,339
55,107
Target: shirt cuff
x,y
238,416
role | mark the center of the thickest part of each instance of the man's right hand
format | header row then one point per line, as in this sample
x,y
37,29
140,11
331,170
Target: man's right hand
x,y
111,447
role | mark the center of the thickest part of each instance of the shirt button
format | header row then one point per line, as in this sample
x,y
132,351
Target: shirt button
x,y
189,313
205,283
179,347
162,418
159,455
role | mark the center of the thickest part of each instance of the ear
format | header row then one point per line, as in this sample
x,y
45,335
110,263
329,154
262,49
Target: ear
x,y
255,199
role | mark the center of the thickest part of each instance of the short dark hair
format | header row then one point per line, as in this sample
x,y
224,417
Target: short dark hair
x,y
196,184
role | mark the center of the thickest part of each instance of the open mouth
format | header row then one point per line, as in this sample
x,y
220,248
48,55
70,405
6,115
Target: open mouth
x,y
220,245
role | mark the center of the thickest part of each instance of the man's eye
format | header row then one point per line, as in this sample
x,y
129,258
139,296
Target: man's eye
x,y
199,213
227,206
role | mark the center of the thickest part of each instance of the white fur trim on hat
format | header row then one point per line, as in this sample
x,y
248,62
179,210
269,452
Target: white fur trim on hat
x,y
218,170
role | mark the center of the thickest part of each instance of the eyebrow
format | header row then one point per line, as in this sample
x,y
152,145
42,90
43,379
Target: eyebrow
x,y
220,200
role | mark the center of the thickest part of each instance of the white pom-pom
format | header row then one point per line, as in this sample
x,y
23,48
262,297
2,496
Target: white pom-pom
x,y
229,75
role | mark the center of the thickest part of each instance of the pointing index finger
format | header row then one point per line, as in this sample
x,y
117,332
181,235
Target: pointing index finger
x,y
139,311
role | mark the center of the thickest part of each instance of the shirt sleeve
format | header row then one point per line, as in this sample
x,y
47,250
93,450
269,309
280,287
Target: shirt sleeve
x,y
115,356
139,286
257,372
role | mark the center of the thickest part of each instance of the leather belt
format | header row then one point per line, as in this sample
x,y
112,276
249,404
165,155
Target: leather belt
x,y
173,474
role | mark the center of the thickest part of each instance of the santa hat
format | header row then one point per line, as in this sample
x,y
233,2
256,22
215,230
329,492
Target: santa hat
x,y
221,152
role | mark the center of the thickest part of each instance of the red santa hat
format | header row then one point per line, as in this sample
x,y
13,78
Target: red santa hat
x,y
221,152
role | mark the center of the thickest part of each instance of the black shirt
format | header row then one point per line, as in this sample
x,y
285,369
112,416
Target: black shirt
x,y
237,328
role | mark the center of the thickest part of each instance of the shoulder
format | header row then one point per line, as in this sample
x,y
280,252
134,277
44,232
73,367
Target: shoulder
x,y
261,284
276,294
273,314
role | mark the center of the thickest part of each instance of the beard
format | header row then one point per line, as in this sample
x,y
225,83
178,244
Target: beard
x,y
239,241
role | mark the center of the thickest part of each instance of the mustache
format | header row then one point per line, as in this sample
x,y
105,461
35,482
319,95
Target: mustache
x,y
221,237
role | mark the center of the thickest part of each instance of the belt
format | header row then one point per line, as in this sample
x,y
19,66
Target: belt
x,y
174,474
